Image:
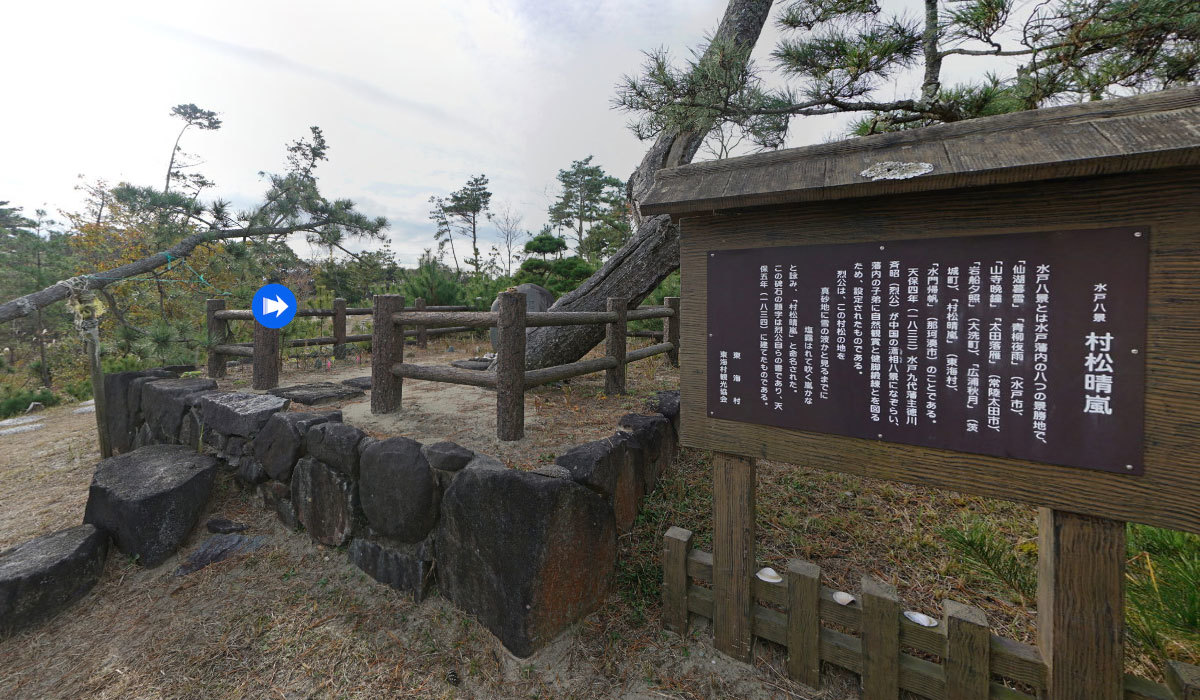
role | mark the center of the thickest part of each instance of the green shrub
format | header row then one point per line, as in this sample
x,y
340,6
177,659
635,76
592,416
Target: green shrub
x,y
80,390
14,403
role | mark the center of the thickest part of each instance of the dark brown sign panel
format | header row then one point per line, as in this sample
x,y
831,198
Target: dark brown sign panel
x,y
1027,346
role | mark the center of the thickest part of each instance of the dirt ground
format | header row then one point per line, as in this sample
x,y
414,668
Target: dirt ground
x,y
296,620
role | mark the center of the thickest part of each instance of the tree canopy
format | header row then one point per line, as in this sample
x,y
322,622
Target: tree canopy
x,y
849,56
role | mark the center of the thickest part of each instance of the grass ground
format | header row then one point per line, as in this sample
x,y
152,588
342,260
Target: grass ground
x,y
296,620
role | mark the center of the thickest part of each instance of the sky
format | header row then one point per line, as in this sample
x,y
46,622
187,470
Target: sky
x,y
413,97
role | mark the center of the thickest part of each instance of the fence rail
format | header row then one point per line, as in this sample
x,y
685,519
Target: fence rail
x,y
799,613
264,350
510,379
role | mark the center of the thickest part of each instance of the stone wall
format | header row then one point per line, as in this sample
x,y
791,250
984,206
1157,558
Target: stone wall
x,y
526,553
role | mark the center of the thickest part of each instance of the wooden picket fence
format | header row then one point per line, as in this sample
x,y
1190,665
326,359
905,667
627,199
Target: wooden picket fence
x,y
511,379
959,659
265,348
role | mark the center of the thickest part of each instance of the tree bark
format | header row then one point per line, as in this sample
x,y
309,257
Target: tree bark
x,y
653,251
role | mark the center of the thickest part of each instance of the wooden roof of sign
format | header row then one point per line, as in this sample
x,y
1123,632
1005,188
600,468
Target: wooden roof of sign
x,y
1147,132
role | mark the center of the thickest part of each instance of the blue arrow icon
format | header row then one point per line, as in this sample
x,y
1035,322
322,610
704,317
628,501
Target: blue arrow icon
x,y
274,305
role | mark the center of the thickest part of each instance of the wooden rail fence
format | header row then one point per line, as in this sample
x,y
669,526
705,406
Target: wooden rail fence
x,y
267,341
958,659
510,379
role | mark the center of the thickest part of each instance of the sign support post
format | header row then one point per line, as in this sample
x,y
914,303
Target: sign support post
x,y
1081,597
733,554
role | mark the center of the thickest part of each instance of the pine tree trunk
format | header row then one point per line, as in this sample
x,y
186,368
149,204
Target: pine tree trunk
x,y
653,251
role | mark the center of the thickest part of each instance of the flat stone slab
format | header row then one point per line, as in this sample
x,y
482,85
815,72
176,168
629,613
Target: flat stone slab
x,y
405,567
363,383
224,526
219,548
85,409
317,393
19,420
236,413
44,575
150,499
22,429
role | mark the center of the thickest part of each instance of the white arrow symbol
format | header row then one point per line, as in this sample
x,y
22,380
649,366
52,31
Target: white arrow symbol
x,y
276,305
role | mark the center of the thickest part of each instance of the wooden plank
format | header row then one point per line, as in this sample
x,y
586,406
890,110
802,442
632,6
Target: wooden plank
x,y
968,644
366,310
448,375
1041,144
733,553
614,346
677,543
474,319
538,377
1081,602
266,357
510,367
1142,689
1164,201
218,334
236,350
234,315
1020,662
880,640
1183,680
649,351
804,622
646,313
671,329
387,350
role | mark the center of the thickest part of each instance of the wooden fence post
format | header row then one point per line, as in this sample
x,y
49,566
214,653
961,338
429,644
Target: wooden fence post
x,y
677,544
880,640
1081,603
614,346
339,328
422,331
266,357
671,329
733,554
1183,680
968,645
510,367
387,348
804,622
218,333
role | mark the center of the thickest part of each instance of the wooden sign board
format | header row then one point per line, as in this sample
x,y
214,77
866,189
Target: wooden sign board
x,y
1022,345
1135,299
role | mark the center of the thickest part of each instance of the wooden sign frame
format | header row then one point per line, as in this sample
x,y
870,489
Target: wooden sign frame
x,y
1166,495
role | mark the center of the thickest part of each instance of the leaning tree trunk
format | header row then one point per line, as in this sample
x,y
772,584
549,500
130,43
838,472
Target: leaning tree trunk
x,y
653,251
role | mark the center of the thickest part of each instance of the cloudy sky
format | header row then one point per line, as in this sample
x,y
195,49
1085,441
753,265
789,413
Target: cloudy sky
x,y
413,97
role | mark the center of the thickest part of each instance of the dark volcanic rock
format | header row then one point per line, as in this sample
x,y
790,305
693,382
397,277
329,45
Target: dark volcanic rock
x,y
44,575
525,554
398,491
277,497
218,548
223,526
666,403
335,444
657,438
325,500
363,383
447,456
239,414
281,441
608,467
123,405
179,369
317,393
250,472
165,401
149,499
406,567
